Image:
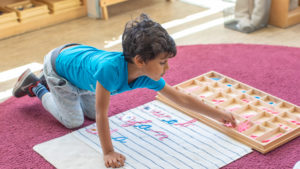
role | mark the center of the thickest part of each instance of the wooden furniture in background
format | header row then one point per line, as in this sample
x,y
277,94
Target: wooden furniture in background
x,y
37,17
281,16
8,17
56,6
28,9
43,13
105,3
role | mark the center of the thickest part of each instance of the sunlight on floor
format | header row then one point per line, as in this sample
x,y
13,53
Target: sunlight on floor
x,y
210,3
197,28
181,21
13,74
5,94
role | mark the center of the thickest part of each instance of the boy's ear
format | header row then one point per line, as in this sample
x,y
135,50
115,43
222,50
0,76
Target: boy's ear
x,y
138,61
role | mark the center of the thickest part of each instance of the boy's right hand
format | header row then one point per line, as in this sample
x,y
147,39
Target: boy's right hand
x,y
227,119
114,160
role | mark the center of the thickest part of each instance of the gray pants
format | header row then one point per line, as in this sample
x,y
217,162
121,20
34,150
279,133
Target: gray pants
x,y
66,102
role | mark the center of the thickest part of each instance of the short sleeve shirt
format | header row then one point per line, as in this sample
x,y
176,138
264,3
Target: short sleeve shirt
x,y
84,65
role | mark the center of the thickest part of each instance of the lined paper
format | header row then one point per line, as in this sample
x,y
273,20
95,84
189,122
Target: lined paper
x,y
155,135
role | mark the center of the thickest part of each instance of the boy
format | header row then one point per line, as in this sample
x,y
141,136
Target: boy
x,y
82,78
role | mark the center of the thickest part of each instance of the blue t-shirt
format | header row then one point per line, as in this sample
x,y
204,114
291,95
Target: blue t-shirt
x,y
84,65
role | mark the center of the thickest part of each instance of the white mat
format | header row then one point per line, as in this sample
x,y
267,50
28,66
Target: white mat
x,y
153,135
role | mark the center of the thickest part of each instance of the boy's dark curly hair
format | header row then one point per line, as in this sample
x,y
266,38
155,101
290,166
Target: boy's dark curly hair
x,y
146,38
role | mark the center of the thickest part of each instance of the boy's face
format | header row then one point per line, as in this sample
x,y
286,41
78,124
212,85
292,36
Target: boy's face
x,y
157,67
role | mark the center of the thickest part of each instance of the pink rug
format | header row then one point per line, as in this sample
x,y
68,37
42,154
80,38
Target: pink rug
x,y
273,69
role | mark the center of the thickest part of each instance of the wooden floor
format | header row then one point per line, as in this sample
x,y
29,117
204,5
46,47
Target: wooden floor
x,y
187,23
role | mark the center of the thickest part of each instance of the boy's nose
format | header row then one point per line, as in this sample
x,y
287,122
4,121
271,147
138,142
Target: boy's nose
x,y
167,66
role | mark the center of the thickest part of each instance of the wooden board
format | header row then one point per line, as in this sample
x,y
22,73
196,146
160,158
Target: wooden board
x,y
264,121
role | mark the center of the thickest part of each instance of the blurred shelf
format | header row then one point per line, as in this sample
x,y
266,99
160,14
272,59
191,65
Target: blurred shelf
x,y
23,16
281,16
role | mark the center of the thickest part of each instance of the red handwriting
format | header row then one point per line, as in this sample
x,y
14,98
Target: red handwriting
x,y
114,130
127,117
160,133
132,123
141,125
94,130
160,114
163,115
186,124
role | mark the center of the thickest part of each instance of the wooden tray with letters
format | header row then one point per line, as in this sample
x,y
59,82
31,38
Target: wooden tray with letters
x,y
264,121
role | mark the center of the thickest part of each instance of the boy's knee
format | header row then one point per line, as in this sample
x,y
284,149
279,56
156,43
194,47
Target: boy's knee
x,y
73,123
91,115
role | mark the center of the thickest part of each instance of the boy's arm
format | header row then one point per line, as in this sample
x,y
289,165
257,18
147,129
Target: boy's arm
x,y
111,158
196,105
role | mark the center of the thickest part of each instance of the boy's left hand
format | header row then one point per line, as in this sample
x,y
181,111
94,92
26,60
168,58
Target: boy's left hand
x,y
114,160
